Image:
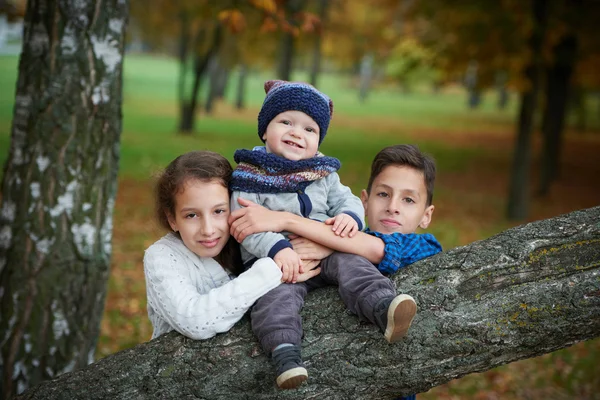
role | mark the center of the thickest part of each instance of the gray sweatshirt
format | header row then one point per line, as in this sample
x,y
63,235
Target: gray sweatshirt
x,y
322,199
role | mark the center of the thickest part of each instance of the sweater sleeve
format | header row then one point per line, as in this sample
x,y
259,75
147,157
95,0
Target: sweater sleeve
x,y
179,293
341,200
264,244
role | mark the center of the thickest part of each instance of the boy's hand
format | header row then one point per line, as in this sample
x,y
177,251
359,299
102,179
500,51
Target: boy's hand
x,y
343,224
290,263
309,250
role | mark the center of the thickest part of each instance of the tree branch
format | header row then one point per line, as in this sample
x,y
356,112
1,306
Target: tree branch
x,y
528,291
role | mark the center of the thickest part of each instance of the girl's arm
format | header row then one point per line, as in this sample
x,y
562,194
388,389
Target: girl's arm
x,y
254,218
173,293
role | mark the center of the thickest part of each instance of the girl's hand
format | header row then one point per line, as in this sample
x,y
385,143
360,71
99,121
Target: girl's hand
x,y
311,269
290,264
309,250
343,224
253,219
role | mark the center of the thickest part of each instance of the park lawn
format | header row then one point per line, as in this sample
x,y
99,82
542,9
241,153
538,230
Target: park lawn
x,y
472,149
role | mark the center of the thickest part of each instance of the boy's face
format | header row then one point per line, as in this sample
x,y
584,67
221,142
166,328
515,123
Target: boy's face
x,y
398,201
292,135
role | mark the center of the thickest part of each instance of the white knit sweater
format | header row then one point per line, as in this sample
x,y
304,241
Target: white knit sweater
x,y
194,295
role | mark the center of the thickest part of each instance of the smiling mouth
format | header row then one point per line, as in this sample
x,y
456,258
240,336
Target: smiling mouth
x,y
292,144
209,243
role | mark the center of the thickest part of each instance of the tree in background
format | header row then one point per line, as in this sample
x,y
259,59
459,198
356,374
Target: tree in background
x,y
571,69
518,196
315,68
58,189
517,43
292,9
221,35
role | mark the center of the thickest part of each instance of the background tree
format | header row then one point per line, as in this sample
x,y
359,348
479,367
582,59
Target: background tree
x,y
315,68
518,196
58,189
493,36
573,48
292,9
204,28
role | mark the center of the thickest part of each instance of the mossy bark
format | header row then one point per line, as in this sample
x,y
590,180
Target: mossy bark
x,y
58,189
528,291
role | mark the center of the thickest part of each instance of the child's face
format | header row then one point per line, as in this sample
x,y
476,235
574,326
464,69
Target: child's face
x,y
398,201
292,135
201,212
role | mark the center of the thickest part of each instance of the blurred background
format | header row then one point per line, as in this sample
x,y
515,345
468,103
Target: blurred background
x,y
504,94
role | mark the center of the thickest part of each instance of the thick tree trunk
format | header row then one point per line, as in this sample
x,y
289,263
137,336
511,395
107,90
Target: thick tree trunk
x,y
557,94
528,291
59,188
518,197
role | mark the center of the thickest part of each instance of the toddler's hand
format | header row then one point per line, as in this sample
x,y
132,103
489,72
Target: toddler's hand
x,y
290,263
343,224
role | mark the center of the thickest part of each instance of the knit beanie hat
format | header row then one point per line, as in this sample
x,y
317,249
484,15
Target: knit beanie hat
x,y
294,96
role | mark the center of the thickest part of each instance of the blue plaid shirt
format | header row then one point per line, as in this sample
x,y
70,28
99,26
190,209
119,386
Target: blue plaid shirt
x,y
404,249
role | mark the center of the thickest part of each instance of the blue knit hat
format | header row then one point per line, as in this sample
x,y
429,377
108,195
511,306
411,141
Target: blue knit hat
x,y
294,96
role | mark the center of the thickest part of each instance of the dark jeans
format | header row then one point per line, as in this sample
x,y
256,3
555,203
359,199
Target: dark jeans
x,y
276,315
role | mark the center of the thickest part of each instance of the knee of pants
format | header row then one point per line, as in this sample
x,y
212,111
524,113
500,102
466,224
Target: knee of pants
x,y
343,262
287,297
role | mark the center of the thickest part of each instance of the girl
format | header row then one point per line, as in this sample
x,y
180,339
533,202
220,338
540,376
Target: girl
x,y
191,280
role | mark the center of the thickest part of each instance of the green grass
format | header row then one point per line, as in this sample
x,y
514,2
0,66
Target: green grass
x,y
149,138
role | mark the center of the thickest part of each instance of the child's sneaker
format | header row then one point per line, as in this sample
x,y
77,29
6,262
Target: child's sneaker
x,y
394,315
290,369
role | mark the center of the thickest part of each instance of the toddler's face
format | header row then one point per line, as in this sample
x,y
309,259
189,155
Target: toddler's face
x,y
292,135
398,201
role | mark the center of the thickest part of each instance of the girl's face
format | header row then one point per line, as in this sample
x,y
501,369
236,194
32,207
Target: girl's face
x,y
201,212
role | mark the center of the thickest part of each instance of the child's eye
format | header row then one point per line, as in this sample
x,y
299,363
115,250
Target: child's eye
x,y
311,129
409,200
382,194
190,215
220,211
286,122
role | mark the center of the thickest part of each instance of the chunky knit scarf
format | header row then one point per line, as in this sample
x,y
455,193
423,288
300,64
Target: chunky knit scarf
x,y
262,172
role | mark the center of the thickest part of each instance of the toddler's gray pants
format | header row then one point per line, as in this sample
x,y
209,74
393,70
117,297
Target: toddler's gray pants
x,y
276,315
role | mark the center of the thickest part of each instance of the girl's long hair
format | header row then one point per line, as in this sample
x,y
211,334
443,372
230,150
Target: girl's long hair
x,y
205,166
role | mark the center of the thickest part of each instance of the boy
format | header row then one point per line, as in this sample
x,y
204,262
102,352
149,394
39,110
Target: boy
x,y
397,201
289,174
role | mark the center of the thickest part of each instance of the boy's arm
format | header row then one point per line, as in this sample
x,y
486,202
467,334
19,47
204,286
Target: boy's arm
x,y
249,220
341,200
262,243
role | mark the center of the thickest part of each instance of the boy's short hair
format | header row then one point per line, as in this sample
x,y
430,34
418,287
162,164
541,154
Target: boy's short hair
x,y
405,155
